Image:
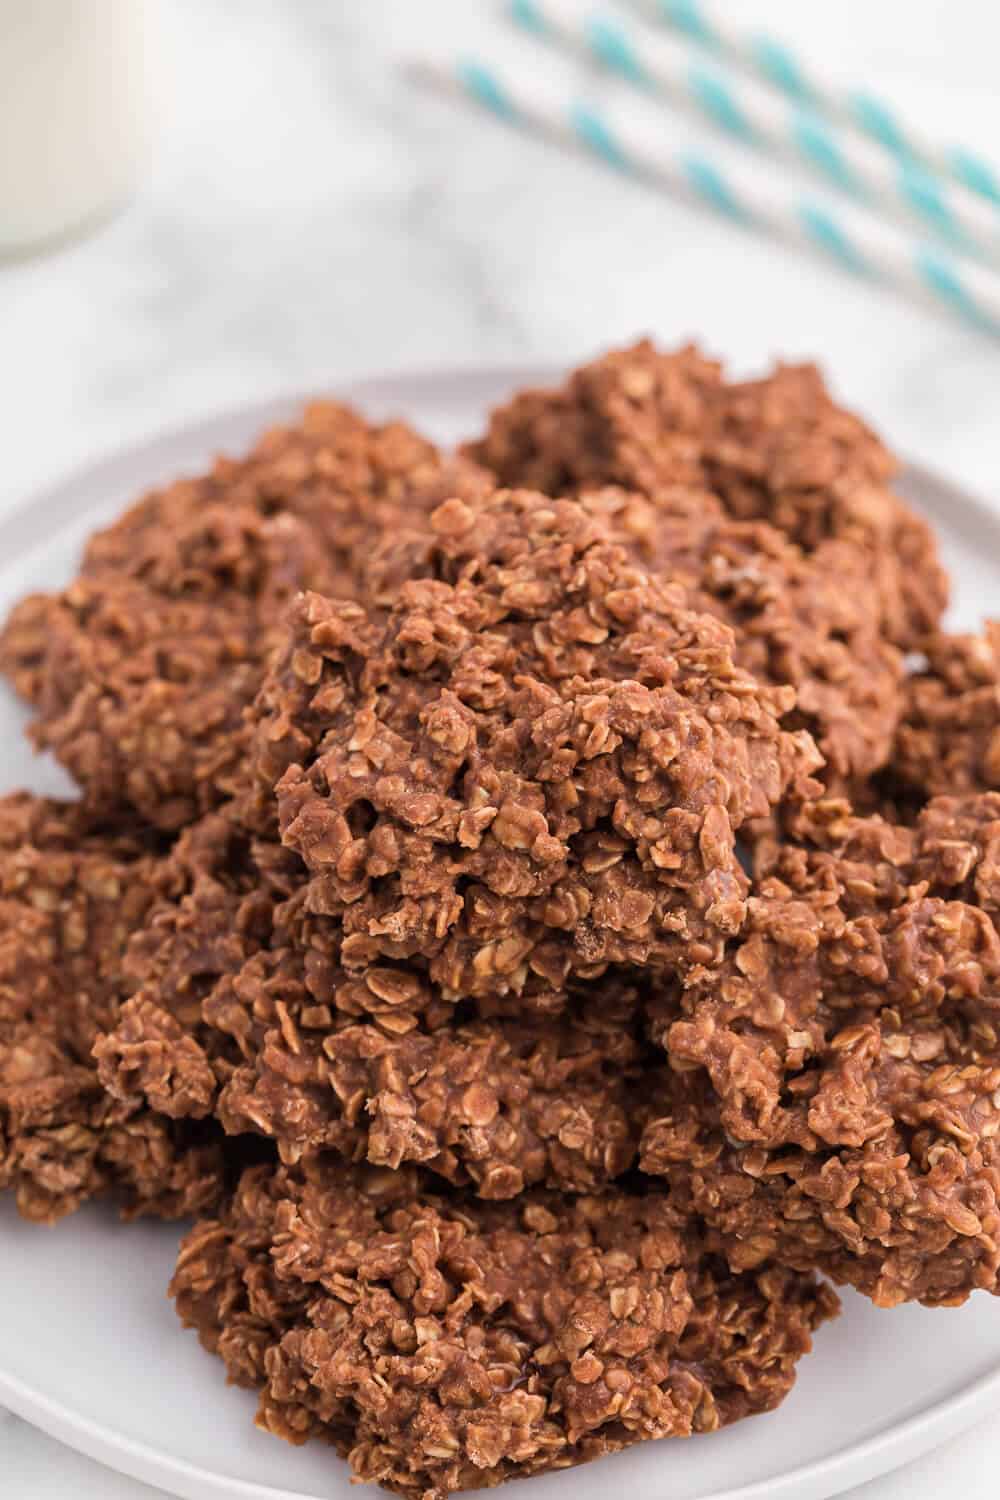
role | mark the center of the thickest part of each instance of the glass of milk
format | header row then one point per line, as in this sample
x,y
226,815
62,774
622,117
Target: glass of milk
x,y
77,113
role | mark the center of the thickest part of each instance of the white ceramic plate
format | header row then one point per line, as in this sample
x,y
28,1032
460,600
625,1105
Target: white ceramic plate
x,y
90,1349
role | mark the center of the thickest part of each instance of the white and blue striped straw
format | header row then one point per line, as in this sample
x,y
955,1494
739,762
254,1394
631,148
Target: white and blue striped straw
x,y
847,237
863,109
758,117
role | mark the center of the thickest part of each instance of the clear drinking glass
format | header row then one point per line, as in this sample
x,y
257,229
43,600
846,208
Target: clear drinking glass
x,y
78,107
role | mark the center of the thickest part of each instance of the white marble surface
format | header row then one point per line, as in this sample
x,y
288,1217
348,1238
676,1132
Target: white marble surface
x,y
310,217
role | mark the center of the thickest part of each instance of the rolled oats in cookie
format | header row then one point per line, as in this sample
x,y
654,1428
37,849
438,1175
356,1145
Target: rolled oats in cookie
x,y
634,417
344,479
530,773
777,449
215,906
958,849
784,451
796,619
948,739
241,1008
498,1105
441,1344
834,1098
863,862
70,897
141,671
142,681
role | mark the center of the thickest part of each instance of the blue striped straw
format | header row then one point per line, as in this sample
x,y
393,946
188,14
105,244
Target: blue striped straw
x,y
865,111
849,239
757,117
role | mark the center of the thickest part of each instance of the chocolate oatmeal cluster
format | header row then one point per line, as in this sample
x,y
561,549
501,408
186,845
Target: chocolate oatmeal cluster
x,y
72,896
536,908
141,671
444,1344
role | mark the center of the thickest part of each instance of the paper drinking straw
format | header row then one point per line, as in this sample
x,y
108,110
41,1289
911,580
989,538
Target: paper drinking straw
x,y
761,118
869,249
866,111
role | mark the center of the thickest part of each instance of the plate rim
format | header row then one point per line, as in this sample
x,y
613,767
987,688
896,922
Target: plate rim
x,y
868,1458
880,1454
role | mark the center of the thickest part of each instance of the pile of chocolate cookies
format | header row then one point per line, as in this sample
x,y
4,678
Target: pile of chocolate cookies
x,y
537,908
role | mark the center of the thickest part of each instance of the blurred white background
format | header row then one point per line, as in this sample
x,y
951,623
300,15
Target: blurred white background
x,y
310,217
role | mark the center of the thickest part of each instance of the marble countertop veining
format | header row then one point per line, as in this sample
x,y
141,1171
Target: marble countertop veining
x,y
311,217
